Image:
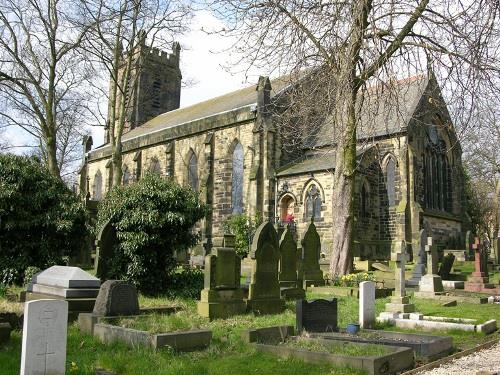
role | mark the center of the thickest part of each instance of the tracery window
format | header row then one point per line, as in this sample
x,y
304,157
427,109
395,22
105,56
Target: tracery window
x,y
126,175
313,203
193,172
391,181
237,179
97,188
155,166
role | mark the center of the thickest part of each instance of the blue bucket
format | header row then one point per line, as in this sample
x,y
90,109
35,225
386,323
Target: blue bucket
x,y
352,328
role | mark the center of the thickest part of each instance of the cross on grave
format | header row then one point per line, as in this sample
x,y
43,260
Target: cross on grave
x,y
400,258
476,246
47,318
432,264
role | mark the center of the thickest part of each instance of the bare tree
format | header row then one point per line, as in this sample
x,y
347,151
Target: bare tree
x,y
41,71
122,27
352,45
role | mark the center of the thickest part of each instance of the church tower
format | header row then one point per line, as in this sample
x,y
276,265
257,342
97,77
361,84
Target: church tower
x,y
154,86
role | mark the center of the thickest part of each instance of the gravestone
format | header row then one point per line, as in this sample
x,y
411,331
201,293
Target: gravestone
x,y
316,316
288,267
496,244
431,284
116,298
5,330
221,296
44,337
446,266
367,304
468,244
478,281
311,250
419,269
106,243
71,284
400,303
264,292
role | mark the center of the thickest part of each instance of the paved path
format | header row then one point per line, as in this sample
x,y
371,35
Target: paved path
x,y
485,360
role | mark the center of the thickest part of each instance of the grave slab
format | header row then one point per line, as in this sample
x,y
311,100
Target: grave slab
x,y
66,277
44,338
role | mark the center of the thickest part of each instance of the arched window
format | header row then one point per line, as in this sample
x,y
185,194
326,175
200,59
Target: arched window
x,y
126,175
391,181
237,181
193,172
155,166
313,203
97,188
365,206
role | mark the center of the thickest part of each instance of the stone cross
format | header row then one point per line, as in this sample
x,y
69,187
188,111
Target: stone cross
x,y
432,263
399,256
476,246
367,304
44,337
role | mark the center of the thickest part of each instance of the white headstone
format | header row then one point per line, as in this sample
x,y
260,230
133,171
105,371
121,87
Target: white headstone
x,y
66,277
367,304
44,337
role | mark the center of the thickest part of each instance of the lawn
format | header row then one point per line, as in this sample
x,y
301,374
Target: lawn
x,y
227,353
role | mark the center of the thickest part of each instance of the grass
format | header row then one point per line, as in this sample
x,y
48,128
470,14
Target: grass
x,y
339,348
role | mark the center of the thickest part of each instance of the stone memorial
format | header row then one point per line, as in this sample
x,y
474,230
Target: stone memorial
x,y
5,330
468,244
367,304
105,242
72,284
496,246
446,266
316,316
44,337
478,281
222,296
431,284
116,298
288,267
264,291
400,303
311,250
419,269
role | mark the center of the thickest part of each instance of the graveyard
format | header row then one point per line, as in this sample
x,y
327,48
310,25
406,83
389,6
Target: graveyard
x,y
280,316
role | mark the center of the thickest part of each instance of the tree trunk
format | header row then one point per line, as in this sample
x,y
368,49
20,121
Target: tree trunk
x,y
52,163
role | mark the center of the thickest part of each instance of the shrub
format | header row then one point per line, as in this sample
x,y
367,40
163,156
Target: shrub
x,y
243,227
29,273
152,218
41,220
185,283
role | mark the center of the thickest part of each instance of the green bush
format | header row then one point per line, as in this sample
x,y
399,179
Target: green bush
x,y
29,273
185,283
152,218
242,226
41,220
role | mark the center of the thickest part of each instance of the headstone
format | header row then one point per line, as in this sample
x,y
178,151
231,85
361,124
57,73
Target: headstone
x,y
400,302
117,298
311,247
496,245
106,243
5,330
367,304
288,267
72,284
419,269
264,291
221,296
44,337
316,316
446,266
478,281
468,244
431,284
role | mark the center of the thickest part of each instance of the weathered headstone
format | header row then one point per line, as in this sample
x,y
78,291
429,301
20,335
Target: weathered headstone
x,y
419,269
106,243
367,304
478,281
221,296
116,298
468,244
446,266
264,291
288,267
316,316
311,248
400,302
431,284
72,284
44,337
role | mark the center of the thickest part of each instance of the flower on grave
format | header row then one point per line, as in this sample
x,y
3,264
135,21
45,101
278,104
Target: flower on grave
x,y
73,367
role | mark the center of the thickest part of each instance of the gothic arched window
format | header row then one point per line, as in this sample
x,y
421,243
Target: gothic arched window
x,y
193,172
391,181
237,180
313,203
126,175
155,166
97,193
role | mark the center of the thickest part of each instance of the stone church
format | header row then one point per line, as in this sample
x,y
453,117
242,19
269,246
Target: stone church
x,y
230,150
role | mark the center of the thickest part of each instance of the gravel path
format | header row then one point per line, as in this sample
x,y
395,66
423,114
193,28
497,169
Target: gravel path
x,y
485,360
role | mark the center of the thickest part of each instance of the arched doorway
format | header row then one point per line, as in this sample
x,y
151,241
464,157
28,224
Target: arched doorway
x,y
287,207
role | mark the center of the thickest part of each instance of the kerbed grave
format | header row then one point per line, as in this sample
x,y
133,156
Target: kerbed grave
x,y
380,359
